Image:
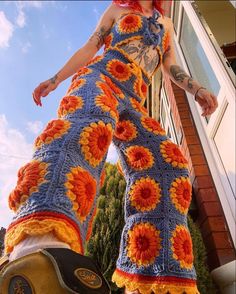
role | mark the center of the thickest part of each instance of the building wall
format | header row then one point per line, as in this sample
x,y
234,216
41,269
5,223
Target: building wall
x,y
207,143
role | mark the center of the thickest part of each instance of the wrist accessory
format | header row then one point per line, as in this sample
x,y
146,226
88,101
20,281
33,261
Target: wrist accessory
x,y
195,95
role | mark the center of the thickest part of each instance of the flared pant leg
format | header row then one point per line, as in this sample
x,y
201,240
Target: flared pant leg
x,y
57,190
156,254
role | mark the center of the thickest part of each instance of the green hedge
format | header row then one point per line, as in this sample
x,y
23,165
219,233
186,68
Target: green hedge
x,y
103,245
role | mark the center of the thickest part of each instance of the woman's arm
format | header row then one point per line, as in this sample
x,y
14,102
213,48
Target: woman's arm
x,y
81,57
206,99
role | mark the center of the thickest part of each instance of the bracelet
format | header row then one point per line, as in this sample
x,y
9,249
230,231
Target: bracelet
x,y
195,95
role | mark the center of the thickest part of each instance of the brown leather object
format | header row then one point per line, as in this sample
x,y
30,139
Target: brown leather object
x,y
53,271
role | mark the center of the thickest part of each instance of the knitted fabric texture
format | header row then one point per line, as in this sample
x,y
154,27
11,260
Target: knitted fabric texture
x,y
57,190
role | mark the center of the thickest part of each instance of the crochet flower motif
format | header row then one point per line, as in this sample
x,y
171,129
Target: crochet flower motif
x,y
172,154
166,41
119,70
119,167
181,194
106,100
108,41
144,244
125,130
129,24
55,129
90,225
82,71
95,60
75,86
116,90
139,157
69,104
137,106
152,125
30,177
140,88
182,247
95,140
102,178
145,194
81,190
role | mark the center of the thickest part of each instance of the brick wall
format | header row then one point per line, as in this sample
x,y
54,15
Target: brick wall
x,y
210,219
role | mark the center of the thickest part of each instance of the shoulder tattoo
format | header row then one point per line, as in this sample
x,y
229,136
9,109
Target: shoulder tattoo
x,y
99,36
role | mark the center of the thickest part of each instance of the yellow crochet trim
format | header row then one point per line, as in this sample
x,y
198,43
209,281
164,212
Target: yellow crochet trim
x,y
153,287
63,232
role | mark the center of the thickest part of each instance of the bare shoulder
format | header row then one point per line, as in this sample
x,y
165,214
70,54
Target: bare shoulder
x,y
113,11
167,22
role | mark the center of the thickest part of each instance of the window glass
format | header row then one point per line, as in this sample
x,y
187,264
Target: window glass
x,y
176,14
196,58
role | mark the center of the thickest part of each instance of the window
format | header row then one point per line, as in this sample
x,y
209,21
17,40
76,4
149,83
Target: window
x,y
196,58
176,14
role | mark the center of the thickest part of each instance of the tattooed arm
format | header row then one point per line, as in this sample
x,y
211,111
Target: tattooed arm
x,y
81,57
206,99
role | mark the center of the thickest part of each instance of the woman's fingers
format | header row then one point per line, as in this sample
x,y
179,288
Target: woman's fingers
x,y
39,91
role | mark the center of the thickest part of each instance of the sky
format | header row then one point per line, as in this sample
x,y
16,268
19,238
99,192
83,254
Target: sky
x,y
37,38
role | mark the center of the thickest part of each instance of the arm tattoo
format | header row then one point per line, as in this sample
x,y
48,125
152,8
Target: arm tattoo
x,y
100,36
180,75
53,79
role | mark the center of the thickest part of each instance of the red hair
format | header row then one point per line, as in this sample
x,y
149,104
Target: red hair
x,y
134,4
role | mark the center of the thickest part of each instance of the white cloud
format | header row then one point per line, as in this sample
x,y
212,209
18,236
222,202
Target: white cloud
x,y
25,47
21,5
34,126
96,12
15,151
20,20
6,30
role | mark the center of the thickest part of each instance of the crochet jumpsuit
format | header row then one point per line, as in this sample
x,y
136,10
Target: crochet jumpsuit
x,y
57,190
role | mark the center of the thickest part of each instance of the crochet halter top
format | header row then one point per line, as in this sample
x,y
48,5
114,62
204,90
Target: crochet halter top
x,y
142,39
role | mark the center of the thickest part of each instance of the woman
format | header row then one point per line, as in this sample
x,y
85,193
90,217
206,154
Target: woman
x,y
55,196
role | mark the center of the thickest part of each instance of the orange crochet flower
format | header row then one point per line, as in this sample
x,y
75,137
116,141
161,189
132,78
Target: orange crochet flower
x,y
81,190
69,104
95,140
145,194
139,157
152,125
90,225
76,85
172,154
166,41
106,100
30,177
140,88
181,194
82,71
117,91
144,244
55,129
182,247
102,178
137,106
118,70
125,130
119,167
95,60
129,24
108,41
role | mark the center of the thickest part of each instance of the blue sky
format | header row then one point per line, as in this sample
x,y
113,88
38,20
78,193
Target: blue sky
x,y
36,40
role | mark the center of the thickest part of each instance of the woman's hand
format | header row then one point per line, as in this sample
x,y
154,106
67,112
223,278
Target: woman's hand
x,y
207,101
44,89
